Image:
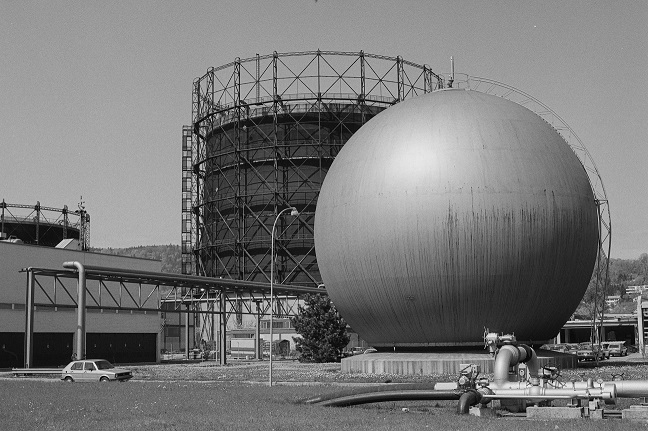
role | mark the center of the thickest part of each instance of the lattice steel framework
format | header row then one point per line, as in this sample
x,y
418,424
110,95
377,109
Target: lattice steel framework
x,y
265,131
45,226
207,300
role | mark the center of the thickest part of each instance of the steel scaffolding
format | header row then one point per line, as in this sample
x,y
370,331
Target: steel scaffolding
x,y
264,132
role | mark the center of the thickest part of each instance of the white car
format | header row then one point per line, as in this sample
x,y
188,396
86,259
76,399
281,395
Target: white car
x,y
616,348
94,370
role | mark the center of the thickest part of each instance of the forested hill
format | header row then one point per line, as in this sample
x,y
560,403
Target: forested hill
x,y
170,255
622,273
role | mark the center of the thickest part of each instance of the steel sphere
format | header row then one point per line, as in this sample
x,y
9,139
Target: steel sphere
x,y
453,212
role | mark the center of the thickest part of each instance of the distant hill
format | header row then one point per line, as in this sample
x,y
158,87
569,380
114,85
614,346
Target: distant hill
x,y
170,255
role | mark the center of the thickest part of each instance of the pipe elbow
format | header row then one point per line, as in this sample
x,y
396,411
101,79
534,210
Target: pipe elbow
x,y
507,356
531,361
74,264
467,400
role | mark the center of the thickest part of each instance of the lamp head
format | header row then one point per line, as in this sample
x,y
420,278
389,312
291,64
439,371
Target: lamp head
x,y
294,212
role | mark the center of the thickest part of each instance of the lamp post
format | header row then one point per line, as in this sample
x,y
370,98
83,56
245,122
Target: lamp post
x,y
293,212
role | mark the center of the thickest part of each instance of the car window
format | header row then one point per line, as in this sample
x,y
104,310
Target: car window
x,y
77,366
89,366
104,365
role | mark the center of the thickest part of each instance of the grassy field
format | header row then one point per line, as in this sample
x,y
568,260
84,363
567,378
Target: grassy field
x,y
236,397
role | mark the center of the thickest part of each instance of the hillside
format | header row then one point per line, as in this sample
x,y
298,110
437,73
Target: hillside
x,y
622,273
170,255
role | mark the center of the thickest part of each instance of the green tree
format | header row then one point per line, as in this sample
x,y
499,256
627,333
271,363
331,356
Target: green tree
x,y
323,331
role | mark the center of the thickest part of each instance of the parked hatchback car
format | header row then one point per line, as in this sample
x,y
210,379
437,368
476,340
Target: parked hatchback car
x,y
94,370
616,348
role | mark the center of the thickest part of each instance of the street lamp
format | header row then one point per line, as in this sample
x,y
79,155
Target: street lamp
x,y
293,212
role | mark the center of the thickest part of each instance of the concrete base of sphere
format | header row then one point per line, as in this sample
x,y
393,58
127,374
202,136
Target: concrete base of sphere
x,y
438,363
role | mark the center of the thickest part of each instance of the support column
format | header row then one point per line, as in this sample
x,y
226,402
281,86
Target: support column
x,y
258,351
29,320
158,341
212,307
640,326
187,332
223,329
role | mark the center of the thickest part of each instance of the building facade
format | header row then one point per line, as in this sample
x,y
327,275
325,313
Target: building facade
x,y
116,335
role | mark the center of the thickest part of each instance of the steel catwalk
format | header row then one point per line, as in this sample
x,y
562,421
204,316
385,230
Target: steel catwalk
x,y
451,212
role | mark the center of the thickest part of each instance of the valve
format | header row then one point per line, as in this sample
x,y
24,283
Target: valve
x,y
550,372
468,375
492,341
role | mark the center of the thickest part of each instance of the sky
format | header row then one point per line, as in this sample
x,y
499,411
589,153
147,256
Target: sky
x,y
94,94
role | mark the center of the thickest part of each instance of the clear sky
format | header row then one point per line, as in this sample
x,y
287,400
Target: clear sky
x,y
94,94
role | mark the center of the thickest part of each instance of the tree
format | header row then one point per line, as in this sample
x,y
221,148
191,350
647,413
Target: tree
x,y
323,331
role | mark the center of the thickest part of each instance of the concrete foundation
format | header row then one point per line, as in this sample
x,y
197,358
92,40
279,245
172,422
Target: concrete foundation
x,y
482,412
554,412
635,413
438,362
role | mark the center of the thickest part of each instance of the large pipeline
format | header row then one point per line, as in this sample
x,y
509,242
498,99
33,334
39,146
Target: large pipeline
x,y
81,308
387,392
394,395
535,389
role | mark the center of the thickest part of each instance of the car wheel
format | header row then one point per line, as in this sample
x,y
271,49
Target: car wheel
x,y
68,379
103,379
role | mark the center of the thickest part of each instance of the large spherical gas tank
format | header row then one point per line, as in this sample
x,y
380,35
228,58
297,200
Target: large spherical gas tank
x,y
453,212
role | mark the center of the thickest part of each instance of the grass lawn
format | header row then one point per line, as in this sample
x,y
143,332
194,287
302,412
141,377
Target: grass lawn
x,y
235,397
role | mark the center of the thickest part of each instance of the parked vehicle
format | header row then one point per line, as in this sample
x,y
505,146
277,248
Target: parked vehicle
x,y
356,350
589,352
616,348
562,348
94,370
571,348
605,351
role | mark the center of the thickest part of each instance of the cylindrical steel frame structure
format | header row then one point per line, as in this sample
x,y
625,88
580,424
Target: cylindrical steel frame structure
x,y
40,225
264,132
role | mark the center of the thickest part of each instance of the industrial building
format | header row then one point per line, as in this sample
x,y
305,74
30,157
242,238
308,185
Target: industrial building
x,y
117,335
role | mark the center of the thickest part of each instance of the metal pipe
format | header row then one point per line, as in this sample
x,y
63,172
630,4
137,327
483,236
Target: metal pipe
x,y
507,356
467,400
510,355
623,388
29,320
533,364
536,392
397,395
81,308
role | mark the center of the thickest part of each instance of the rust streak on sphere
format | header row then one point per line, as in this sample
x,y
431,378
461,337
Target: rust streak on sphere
x,y
451,212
